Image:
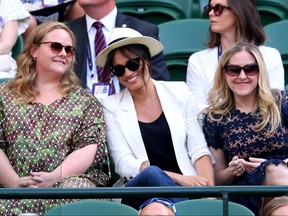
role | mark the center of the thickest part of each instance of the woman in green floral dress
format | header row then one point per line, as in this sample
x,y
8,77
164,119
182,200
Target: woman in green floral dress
x,y
52,132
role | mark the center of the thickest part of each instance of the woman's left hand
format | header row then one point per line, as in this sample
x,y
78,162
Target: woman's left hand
x,y
252,164
39,180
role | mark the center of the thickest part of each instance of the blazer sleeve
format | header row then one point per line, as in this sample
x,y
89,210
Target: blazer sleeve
x,y
127,164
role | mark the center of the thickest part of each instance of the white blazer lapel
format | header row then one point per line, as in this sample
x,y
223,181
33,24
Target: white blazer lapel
x,y
129,124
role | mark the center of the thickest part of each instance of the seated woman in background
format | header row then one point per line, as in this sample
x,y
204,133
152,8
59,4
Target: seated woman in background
x,y
153,133
14,20
246,125
231,21
52,131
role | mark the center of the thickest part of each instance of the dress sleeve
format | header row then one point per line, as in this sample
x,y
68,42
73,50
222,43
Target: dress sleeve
x,y
284,107
92,129
212,133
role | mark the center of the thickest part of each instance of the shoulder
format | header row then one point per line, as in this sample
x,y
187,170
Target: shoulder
x,y
268,52
174,89
113,101
144,27
78,22
206,53
79,94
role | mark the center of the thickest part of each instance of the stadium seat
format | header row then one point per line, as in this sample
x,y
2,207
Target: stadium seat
x,y
210,207
92,207
180,39
17,48
277,34
154,11
272,10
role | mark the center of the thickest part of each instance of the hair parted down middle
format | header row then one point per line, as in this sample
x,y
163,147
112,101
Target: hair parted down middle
x,y
23,85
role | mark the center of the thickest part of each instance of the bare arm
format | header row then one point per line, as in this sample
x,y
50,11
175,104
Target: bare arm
x,y
76,163
205,169
8,37
224,174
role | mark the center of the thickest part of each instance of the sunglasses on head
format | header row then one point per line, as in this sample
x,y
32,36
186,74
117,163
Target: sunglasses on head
x,y
56,48
235,70
218,9
132,65
163,201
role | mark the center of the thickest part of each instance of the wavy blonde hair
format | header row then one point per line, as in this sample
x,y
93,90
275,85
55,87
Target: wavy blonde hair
x,y
221,97
23,85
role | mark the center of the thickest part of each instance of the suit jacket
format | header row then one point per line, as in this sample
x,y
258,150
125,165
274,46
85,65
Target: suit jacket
x,y
124,136
79,27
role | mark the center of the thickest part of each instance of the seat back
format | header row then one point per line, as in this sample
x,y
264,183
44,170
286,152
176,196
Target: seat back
x,y
92,207
17,48
180,39
277,34
272,10
210,207
154,11
183,36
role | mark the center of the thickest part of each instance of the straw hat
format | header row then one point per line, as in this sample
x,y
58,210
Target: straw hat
x,y
124,36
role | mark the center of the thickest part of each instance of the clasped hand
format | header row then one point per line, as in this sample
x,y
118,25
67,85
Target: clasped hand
x,y
37,180
238,166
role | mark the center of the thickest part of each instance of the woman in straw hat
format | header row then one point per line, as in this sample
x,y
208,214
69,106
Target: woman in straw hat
x,y
153,134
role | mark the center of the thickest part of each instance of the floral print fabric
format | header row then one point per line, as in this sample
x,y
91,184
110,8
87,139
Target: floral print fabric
x,y
37,138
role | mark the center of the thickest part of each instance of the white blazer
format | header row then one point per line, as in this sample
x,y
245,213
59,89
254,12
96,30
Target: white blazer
x,y
124,138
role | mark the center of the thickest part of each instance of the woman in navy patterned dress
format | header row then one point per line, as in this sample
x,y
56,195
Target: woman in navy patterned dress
x,y
52,131
246,124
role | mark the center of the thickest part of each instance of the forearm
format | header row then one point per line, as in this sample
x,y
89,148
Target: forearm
x,y
224,177
205,169
8,177
77,162
8,37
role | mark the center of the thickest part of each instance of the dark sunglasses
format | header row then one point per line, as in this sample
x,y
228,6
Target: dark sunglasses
x,y
132,65
218,9
163,201
235,70
56,48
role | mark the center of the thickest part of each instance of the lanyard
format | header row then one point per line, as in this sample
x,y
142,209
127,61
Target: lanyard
x,y
89,57
219,51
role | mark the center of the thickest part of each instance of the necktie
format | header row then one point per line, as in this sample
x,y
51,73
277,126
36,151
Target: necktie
x,y
99,46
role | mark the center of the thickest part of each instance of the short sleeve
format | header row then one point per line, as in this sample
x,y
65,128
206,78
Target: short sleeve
x,y
212,133
284,108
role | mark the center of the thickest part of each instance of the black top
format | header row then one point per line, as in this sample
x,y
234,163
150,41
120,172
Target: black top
x,y
158,143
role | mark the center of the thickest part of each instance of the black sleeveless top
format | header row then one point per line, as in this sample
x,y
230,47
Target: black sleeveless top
x,y
158,143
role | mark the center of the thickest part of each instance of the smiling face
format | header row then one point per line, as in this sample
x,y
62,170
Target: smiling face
x,y
243,86
132,80
49,63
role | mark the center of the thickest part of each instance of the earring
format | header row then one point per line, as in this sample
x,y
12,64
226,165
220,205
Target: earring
x,y
34,59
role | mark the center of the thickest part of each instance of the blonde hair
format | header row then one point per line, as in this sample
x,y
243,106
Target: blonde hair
x,y
274,204
23,85
221,97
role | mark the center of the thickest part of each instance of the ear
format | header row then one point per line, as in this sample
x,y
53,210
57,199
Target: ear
x,y
34,51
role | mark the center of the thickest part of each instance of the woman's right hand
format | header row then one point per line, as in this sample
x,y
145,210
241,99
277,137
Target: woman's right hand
x,y
235,167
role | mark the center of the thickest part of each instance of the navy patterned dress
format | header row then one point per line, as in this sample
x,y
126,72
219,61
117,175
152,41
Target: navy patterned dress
x,y
234,134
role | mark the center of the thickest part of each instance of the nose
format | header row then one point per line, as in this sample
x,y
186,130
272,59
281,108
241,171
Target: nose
x,y
242,74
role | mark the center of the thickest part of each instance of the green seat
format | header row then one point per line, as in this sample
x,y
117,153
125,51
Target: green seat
x,y
210,207
92,207
154,11
17,48
272,10
277,34
180,39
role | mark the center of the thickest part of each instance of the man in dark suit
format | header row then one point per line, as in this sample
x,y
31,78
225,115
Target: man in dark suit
x,y
106,12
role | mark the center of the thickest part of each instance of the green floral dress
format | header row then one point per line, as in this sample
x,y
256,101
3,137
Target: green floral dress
x,y
37,138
